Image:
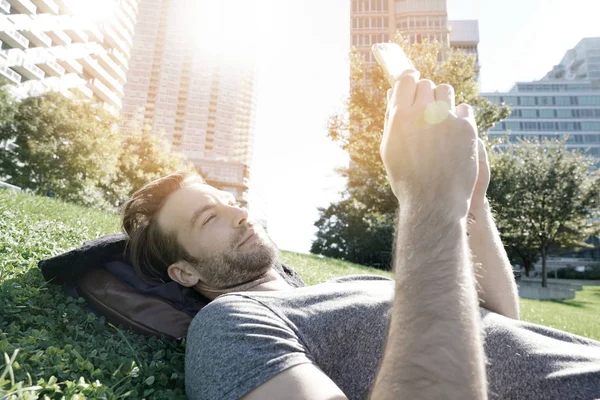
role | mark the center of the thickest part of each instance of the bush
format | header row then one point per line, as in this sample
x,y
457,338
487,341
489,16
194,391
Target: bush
x,y
592,272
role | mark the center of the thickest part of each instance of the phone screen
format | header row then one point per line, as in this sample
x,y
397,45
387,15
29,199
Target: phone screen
x,y
392,59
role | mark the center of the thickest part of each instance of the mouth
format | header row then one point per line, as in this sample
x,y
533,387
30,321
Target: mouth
x,y
249,236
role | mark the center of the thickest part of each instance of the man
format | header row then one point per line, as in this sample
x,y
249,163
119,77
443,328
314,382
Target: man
x,y
420,336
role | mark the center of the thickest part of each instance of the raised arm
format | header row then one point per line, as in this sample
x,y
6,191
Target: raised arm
x,y
434,347
495,281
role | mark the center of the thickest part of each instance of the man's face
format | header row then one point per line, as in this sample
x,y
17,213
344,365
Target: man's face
x,y
227,248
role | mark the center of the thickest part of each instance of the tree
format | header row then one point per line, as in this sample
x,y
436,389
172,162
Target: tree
x,y
346,232
359,128
60,146
143,157
544,197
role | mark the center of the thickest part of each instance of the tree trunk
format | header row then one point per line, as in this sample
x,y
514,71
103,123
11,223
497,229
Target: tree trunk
x,y
527,266
544,256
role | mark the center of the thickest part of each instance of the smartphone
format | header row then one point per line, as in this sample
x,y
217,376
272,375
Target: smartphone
x,y
392,59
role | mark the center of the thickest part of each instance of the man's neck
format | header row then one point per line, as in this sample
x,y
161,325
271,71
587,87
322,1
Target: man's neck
x,y
270,281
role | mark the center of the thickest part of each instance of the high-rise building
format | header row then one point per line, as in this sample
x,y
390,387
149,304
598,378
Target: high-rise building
x,y
566,102
374,21
183,86
56,45
581,62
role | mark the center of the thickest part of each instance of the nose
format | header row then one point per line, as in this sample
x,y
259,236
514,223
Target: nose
x,y
240,216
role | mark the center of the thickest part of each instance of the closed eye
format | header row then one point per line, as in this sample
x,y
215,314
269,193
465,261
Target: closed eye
x,y
208,220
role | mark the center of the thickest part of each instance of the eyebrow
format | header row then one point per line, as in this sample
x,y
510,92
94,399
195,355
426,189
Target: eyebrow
x,y
199,212
207,207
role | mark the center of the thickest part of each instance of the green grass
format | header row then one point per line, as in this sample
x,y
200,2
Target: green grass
x,y
580,315
59,351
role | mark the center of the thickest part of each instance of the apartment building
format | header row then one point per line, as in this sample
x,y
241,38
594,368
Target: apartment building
x,y
374,21
50,45
186,91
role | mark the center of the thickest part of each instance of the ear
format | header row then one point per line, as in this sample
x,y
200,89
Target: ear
x,y
183,273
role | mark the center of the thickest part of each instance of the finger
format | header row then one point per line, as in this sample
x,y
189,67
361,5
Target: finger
x,y
445,93
466,111
405,89
425,92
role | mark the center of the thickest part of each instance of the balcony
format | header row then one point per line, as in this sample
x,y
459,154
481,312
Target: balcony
x,y
37,38
94,33
104,93
95,69
111,37
23,6
133,4
4,7
59,37
9,74
83,90
125,21
28,70
46,6
77,35
14,39
63,7
51,67
128,11
122,33
119,58
70,65
108,64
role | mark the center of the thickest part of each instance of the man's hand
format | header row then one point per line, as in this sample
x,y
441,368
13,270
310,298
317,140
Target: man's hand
x,y
428,149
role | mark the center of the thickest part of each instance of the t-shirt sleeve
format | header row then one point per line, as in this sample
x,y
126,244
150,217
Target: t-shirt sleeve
x,y
236,344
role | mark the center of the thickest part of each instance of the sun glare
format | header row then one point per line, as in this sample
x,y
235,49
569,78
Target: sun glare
x,y
94,10
230,30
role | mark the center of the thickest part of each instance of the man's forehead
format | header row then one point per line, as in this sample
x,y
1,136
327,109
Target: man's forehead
x,y
182,204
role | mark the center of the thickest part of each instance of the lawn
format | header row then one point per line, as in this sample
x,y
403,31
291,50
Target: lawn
x,y
58,351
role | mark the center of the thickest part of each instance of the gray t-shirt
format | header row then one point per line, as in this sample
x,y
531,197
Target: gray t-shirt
x,y
242,340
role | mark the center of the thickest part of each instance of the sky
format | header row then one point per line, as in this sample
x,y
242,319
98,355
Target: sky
x,y
303,80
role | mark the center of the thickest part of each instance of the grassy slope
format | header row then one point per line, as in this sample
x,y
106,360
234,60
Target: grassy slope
x,y
56,338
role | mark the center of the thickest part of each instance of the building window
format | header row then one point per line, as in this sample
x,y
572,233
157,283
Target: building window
x,y
590,126
528,101
545,101
547,113
513,126
529,113
564,113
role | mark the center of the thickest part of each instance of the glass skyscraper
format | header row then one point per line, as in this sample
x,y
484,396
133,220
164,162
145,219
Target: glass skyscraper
x,y
566,102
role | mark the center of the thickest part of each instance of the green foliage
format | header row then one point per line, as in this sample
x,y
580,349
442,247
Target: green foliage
x,y
348,232
143,158
370,203
73,150
591,272
544,197
61,146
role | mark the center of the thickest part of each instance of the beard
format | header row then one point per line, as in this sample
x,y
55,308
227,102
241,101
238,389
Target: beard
x,y
234,267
